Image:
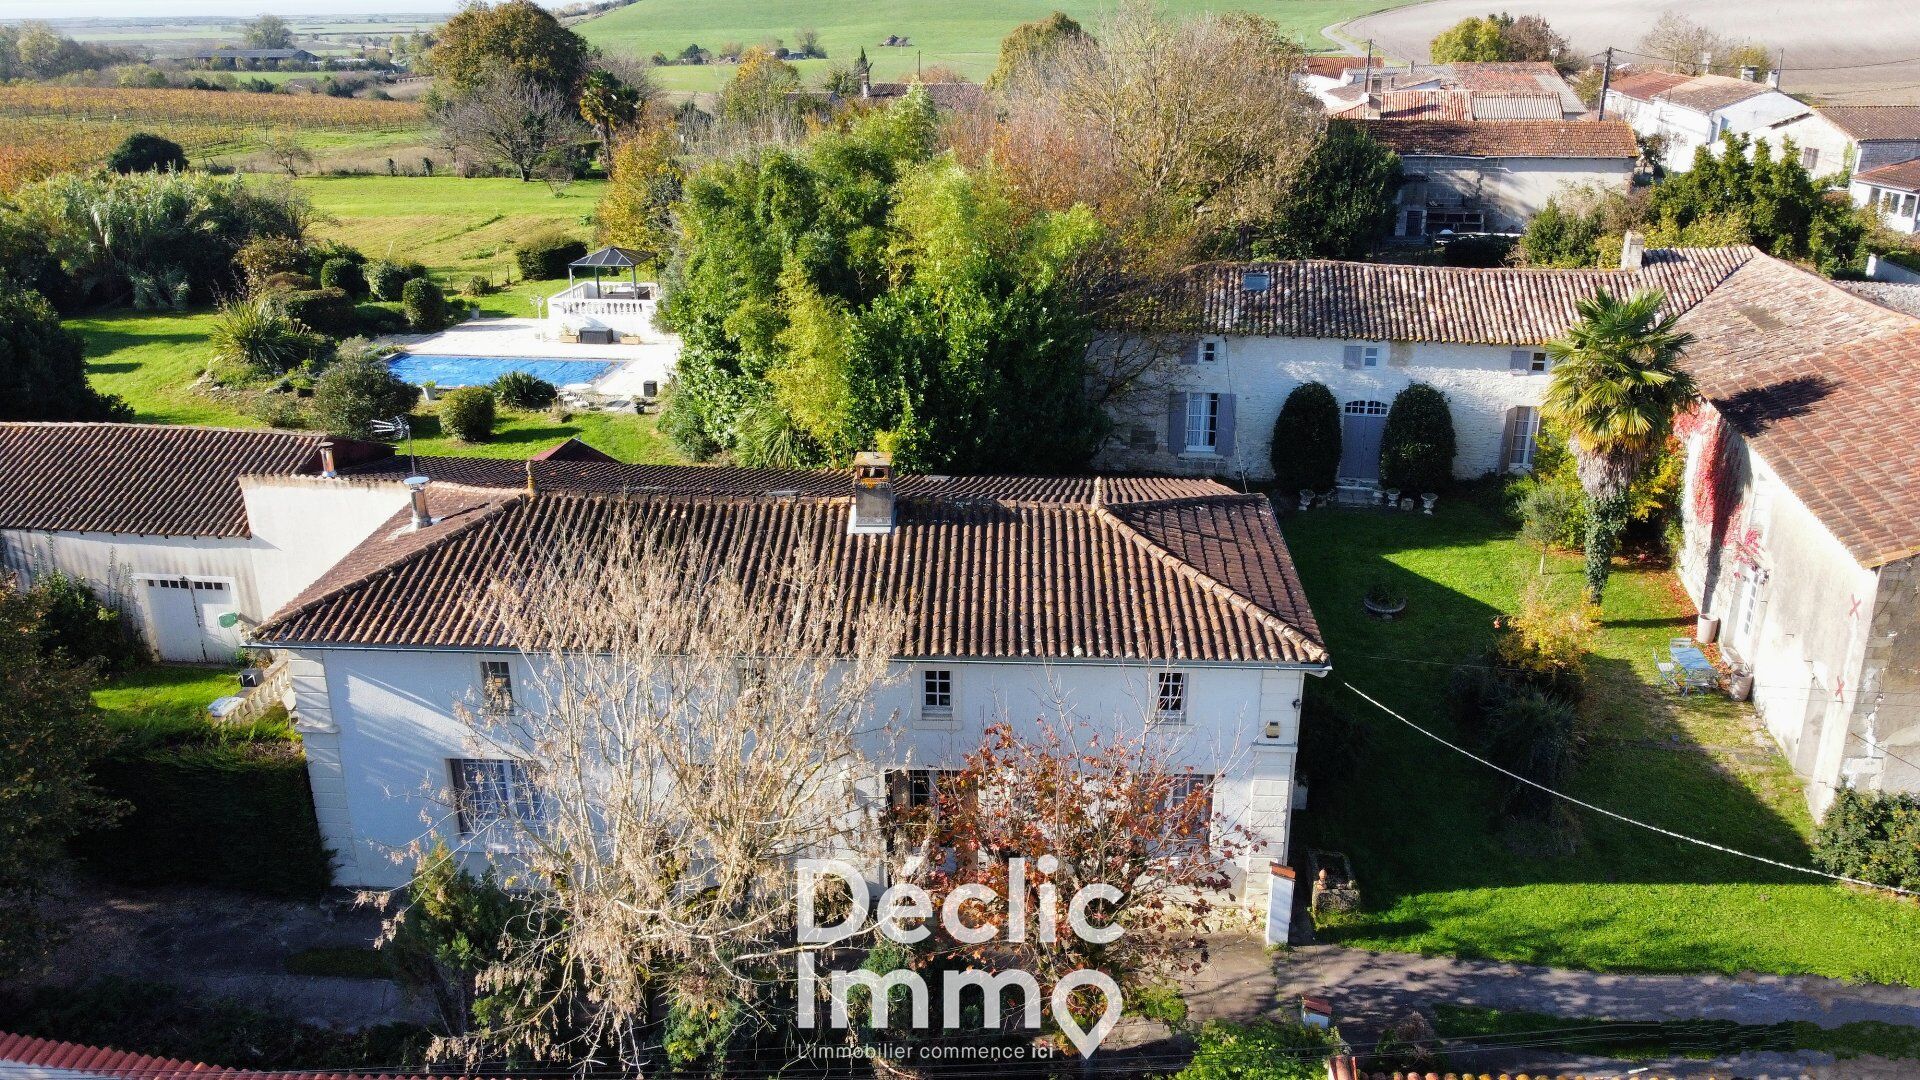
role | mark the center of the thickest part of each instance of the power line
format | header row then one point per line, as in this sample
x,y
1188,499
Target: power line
x,y
1624,818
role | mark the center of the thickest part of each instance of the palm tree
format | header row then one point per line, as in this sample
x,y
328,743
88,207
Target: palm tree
x,y
607,103
1616,385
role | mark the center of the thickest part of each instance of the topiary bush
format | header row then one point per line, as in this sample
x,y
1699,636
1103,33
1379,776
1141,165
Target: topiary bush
x,y
144,152
547,255
386,279
356,391
519,390
467,414
345,275
326,311
1417,445
1873,836
425,306
1306,440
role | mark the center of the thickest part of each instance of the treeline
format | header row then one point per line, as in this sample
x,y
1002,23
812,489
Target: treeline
x,y
34,50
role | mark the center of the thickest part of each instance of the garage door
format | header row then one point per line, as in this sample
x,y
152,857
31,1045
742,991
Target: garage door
x,y
183,618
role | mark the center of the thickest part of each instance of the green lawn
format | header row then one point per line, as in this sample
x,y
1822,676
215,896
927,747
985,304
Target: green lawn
x,y
457,226
964,36
1646,1040
155,361
166,705
1440,874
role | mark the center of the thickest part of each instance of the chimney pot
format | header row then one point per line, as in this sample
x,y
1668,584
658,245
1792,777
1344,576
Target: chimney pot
x,y
1633,250
1749,73
327,465
417,498
1773,78
873,497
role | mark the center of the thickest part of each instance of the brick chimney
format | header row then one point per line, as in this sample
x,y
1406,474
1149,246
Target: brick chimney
x,y
873,500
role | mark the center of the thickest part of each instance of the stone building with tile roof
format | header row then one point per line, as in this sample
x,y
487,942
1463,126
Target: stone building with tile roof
x,y
1169,601
1685,113
1802,517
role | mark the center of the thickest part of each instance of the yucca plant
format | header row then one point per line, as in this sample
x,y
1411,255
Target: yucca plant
x,y
1616,386
257,332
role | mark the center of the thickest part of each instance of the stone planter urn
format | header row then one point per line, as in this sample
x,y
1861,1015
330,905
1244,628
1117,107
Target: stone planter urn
x,y
1740,684
1393,498
1383,604
1706,629
1426,503
1306,498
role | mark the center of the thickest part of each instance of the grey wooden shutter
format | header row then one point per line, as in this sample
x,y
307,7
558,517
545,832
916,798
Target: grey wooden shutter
x,y
1191,355
1176,422
1353,356
1223,427
1510,441
1520,361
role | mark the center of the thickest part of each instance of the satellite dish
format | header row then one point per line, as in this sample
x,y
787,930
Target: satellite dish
x,y
230,620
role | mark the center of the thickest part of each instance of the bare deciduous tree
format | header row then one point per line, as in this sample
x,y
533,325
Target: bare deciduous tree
x,y
513,120
691,727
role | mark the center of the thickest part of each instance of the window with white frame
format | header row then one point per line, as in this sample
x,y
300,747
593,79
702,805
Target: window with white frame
x,y
936,694
1523,433
1211,350
1538,361
1203,423
1369,356
1365,408
1189,802
496,685
489,792
1170,699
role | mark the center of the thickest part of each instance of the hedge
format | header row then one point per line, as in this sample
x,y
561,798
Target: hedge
x,y
345,275
1306,440
1417,445
236,816
1872,836
547,255
323,311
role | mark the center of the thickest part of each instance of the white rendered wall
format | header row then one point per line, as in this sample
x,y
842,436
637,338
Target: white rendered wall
x,y
303,525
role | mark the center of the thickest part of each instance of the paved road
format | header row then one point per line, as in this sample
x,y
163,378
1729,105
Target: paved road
x,y
1840,37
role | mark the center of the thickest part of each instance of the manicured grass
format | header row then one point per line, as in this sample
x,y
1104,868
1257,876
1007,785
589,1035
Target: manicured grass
x,y
166,704
1438,870
1646,1040
155,361
457,226
964,36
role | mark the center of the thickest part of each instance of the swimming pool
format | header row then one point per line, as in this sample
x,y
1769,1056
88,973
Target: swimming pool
x,y
480,370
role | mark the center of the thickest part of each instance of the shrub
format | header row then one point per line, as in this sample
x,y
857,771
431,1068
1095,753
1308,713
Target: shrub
x,y
143,152
386,279
43,367
266,257
1417,446
1546,642
358,390
287,281
76,622
1260,1050
467,413
345,275
1306,440
546,255
455,926
519,390
1873,836
478,285
425,306
327,311
1535,734
258,333
284,411
377,319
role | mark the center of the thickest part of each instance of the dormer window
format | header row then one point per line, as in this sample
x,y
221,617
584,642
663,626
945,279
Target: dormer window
x,y
1256,281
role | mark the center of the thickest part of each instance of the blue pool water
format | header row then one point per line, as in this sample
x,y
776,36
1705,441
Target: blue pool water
x,y
480,370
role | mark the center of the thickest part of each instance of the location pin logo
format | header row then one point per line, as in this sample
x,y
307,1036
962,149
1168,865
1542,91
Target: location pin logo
x,y
1083,1040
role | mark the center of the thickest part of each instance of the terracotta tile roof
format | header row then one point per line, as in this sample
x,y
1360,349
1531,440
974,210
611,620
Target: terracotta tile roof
x,y
1556,138
1904,175
1523,76
141,478
1344,1067
1203,578
1399,302
1826,386
1700,93
1333,67
1517,107
45,1058
1644,85
1414,105
572,450
587,477
1871,123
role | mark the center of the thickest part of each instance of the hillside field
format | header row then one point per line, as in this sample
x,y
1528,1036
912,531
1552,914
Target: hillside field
x,y
964,36
456,226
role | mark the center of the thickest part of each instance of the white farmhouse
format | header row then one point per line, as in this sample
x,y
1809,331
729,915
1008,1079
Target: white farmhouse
x,y
1687,112
1802,515
154,517
1894,191
1159,603
1479,176
1252,332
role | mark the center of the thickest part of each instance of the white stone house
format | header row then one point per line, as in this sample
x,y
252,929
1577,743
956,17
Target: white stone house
x,y
1802,533
1691,111
1241,337
154,517
1163,605
1893,191
1872,135
1493,176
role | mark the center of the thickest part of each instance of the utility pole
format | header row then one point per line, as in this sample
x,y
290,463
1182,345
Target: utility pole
x,y
1606,80
1366,102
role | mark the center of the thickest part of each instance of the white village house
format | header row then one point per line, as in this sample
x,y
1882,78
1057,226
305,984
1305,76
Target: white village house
x,y
1480,176
1687,112
1802,517
1368,330
1171,603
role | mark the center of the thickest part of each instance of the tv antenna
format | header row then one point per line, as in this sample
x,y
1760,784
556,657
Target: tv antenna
x,y
398,428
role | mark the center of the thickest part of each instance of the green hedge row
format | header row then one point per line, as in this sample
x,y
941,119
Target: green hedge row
x,y
237,817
